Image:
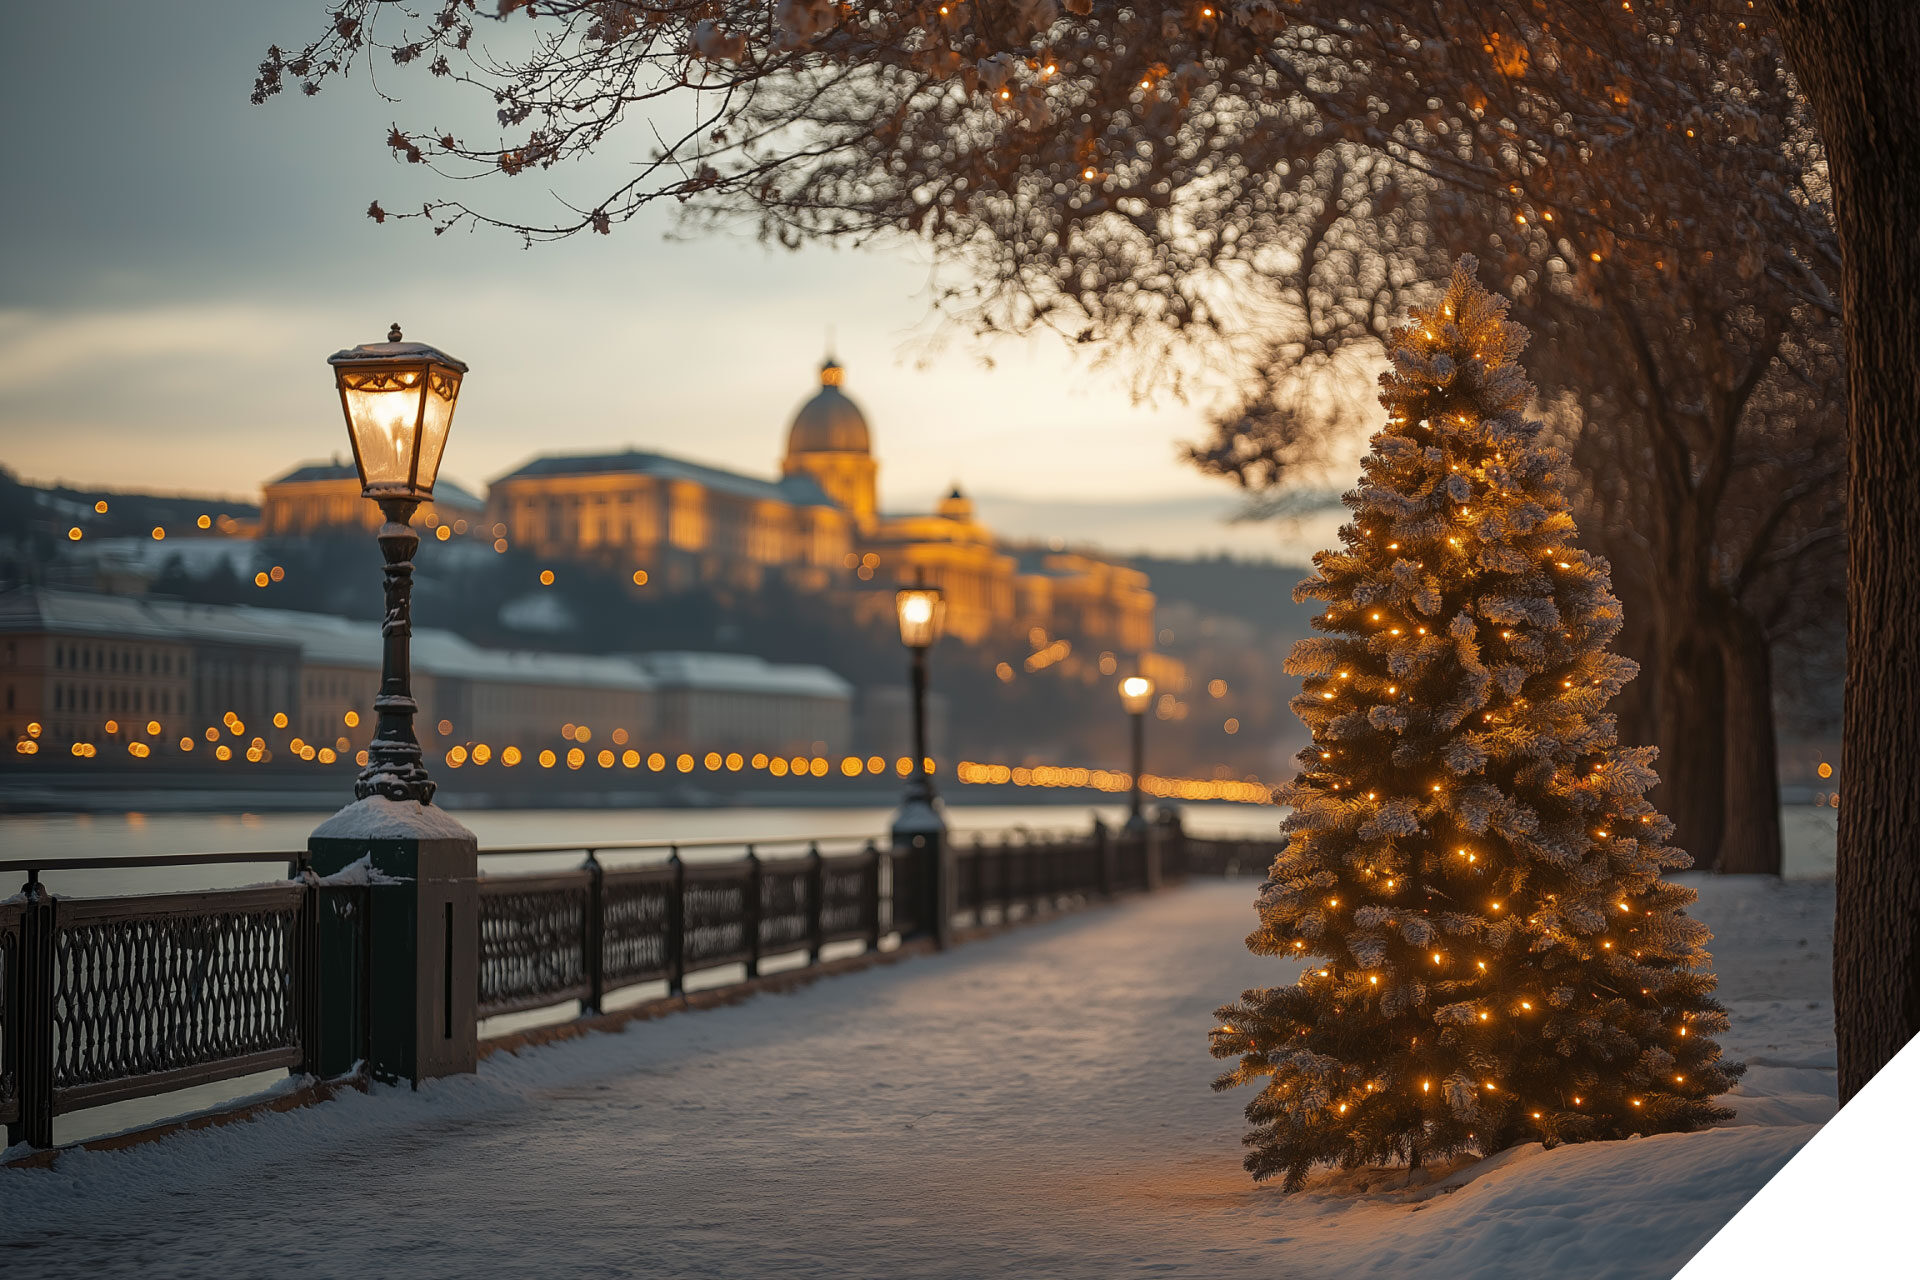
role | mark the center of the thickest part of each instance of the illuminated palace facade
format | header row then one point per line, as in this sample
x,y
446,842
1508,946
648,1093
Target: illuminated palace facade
x,y
817,526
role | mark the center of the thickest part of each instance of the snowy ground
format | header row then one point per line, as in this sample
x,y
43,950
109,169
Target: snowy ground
x,y
1032,1105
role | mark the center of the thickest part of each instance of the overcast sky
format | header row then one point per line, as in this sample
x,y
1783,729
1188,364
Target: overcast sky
x,y
178,264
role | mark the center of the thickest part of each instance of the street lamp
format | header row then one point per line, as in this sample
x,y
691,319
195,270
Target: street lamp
x,y
1136,695
398,398
922,613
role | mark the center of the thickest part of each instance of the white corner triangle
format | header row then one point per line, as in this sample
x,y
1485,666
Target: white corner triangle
x,y
1844,1205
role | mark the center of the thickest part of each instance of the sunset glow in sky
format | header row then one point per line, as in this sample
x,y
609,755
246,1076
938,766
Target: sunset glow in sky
x,y
180,263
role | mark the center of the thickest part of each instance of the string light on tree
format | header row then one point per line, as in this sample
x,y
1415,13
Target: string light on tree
x,y
1511,625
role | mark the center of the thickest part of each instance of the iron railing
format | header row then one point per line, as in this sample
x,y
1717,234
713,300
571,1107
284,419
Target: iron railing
x,y
584,933
108,999
1235,856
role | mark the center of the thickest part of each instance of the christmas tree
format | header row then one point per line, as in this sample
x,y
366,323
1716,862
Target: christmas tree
x,y
1472,874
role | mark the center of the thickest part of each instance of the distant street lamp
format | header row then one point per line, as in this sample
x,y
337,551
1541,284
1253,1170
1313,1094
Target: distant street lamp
x,y
398,398
1136,694
922,612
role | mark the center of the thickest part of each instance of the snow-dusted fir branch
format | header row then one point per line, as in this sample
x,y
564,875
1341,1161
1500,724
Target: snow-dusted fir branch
x,y
1473,879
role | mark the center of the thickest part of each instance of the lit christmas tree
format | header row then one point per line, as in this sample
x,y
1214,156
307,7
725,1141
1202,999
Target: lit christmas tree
x,y
1472,873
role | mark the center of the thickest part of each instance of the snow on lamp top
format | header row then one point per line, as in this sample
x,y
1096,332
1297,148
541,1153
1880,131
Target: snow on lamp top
x,y
922,611
398,398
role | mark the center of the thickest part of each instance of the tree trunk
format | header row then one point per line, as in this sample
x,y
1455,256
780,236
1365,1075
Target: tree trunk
x,y
1751,842
1692,740
1857,63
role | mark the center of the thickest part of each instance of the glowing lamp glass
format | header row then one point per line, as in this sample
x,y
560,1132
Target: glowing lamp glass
x,y
1136,694
923,613
398,398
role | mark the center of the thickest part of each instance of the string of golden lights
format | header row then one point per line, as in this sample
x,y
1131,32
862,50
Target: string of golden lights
x,y
153,735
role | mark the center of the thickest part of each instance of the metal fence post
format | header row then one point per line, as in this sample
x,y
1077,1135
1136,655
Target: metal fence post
x,y
1036,878
32,1008
593,933
1103,854
677,926
752,913
306,987
873,899
1007,879
979,880
816,903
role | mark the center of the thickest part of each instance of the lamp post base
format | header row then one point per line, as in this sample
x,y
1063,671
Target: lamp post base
x,y
923,875
412,957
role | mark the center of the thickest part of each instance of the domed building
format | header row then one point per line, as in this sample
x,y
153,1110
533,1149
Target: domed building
x,y
817,527
830,443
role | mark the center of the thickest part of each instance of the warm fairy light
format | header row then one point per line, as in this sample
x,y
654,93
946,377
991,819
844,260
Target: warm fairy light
x,y
1426,1086
1436,957
1483,969
1526,1004
1485,1017
1635,1101
546,577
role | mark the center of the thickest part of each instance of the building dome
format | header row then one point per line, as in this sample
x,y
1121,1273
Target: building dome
x,y
830,422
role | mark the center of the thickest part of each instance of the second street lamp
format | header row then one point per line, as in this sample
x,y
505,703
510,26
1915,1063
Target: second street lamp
x,y
398,398
919,830
922,614
1136,694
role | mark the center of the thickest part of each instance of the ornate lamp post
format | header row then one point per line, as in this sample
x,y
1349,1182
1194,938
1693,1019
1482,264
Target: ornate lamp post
x,y
398,989
1136,695
923,886
398,398
922,613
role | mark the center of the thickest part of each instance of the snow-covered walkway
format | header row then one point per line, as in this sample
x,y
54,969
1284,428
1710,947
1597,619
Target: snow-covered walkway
x,y
1031,1105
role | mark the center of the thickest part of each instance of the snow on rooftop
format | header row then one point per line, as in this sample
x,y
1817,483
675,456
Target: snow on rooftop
x,y
326,640
742,673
